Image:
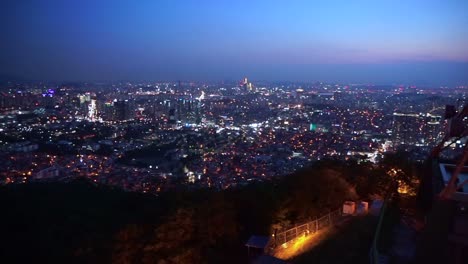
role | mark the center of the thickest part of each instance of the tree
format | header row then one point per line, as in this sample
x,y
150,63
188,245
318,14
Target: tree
x,y
400,173
174,241
128,244
311,192
199,231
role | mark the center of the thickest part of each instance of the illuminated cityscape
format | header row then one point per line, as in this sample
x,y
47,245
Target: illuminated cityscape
x,y
255,131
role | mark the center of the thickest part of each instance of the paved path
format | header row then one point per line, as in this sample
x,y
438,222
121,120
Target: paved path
x,y
404,245
298,246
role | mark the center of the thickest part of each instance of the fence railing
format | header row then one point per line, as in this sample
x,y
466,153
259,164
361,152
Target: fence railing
x,y
305,229
374,251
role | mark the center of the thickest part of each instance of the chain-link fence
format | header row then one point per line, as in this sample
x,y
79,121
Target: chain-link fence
x,y
305,229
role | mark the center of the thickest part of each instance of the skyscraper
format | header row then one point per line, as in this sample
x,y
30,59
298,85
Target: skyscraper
x,y
121,110
92,111
247,85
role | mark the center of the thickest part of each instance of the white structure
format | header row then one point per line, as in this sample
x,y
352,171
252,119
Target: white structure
x,y
349,208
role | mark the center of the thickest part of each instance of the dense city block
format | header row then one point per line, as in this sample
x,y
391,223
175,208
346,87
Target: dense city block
x,y
155,136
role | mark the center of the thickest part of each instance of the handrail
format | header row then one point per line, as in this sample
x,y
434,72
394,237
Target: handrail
x,y
374,250
314,224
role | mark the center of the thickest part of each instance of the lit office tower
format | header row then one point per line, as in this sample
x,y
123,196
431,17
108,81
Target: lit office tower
x,y
179,109
247,85
172,117
121,110
106,111
407,129
85,100
433,131
3,100
92,111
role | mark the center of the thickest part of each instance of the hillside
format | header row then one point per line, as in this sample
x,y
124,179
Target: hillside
x,y
80,222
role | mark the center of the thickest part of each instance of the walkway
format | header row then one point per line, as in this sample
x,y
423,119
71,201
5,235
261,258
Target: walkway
x,y
303,244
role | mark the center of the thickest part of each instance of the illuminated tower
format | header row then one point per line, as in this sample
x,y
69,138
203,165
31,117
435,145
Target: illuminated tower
x,y
406,129
92,111
247,85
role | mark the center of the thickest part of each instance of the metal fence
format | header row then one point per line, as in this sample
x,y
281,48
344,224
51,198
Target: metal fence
x,y
305,229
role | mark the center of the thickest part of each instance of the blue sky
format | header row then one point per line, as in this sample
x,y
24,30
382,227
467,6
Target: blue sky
x,y
350,41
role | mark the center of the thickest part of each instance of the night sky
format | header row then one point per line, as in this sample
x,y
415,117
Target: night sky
x,y
386,41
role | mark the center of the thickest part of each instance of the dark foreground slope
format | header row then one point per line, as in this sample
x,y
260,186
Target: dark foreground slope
x,y
82,223
60,222
79,222
348,244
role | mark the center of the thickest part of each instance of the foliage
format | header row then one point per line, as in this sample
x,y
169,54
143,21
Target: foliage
x,y
310,192
400,170
349,244
79,221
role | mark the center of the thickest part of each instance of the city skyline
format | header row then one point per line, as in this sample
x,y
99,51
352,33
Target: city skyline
x,y
385,42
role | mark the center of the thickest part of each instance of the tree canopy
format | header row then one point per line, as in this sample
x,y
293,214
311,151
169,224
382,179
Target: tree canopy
x,y
58,222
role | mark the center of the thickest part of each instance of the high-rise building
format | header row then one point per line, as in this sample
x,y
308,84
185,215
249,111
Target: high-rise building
x,y
247,85
92,111
416,129
121,110
406,128
172,117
